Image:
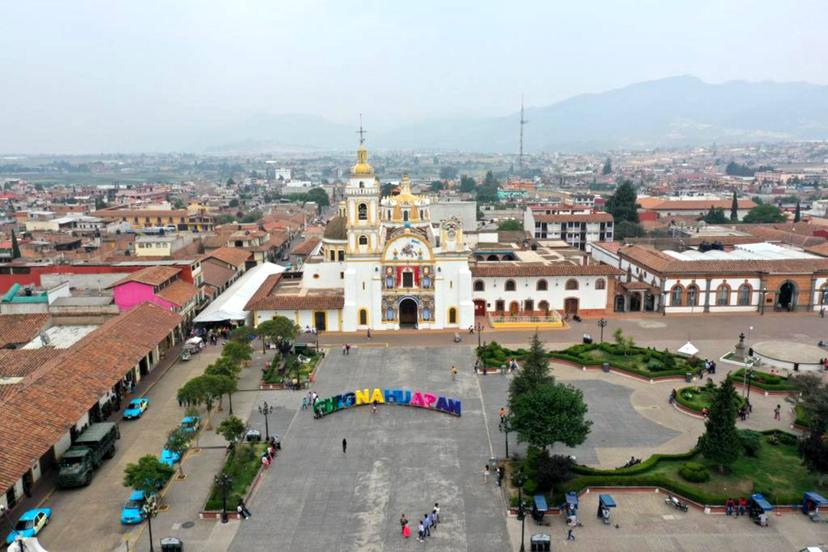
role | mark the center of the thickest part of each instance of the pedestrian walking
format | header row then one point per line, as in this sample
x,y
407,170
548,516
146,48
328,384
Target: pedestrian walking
x,y
485,473
304,403
242,510
777,412
374,407
265,461
502,412
368,333
347,348
436,513
344,349
570,534
420,532
344,445
427,525
500,474
403,523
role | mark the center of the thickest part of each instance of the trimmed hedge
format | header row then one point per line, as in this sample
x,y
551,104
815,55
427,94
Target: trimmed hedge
x,y
694,406
694,472
624,367
637,476
494,355
764,381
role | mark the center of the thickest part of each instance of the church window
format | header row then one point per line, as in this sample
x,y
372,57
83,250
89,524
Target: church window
x,y
362,211
600,283
452,316
388,214
542,285
361,184
389,314
745,292
363,240
405,215
426,282
426,313
510,285
333,255
363,317
479,285
723,295
389,282
692,296
341,255
572,284
675,295
421,214
408,279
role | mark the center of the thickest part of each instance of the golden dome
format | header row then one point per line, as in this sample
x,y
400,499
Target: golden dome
x,y
405,194
362,168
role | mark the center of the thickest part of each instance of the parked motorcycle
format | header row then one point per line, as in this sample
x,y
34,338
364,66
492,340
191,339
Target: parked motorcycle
x,y
676,503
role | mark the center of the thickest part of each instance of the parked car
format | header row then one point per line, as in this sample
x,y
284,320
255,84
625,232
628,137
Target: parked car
x,y
169,457
133,510
30,524
190,424
253,436
135,408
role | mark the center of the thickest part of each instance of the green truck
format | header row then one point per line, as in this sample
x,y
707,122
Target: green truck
x,y
87,453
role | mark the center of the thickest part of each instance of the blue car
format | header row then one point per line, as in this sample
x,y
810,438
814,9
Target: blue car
x,y
135,409
133,510
190,424
169,457
30,524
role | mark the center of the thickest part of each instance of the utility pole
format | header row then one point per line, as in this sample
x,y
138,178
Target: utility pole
x,y
523,122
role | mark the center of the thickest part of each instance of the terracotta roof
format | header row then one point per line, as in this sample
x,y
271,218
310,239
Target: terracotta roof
x,y
768,232
315,300
492,269
16,363
697,204
586,217
141,213
821,249
178,293
306,247
660,262
233,256
216,274
152,276
335,229
263,291
55,396
21,328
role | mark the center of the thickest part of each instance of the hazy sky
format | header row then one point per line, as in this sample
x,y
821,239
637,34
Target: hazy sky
x,y
109,75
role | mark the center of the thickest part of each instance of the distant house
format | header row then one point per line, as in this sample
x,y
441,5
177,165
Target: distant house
x,y
160,285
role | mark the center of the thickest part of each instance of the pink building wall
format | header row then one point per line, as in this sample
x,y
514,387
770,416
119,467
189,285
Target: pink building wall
x,y
131,294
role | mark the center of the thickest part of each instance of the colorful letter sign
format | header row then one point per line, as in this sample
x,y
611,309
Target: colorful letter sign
x,y
403,397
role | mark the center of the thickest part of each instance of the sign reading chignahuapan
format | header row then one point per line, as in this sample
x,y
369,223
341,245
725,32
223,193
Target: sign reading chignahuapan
x,y
398,396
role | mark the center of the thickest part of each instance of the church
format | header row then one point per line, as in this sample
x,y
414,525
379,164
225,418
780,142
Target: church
x,y
381,265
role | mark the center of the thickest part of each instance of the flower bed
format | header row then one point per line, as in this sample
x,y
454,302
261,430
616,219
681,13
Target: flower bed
x,y
776,471
646,362
697,398
242,465
281,371
764,381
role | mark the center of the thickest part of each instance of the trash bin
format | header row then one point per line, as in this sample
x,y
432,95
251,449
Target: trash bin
x,y
688,377
605,367
540,542
587,338
171,544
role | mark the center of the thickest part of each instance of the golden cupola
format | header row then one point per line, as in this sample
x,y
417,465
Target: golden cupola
x,y
362,168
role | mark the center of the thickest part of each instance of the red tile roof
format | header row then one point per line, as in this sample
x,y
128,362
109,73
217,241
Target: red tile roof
x,y
178,293
152,276
306,247
21,328
216,274
316,300
697,204
17,363
40,410
264,290
502,268
233,256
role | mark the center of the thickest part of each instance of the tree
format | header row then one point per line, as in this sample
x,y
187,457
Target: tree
x,y
231,182
436,185
202,391
178,441
15,246
719,442
238,351
764,214
467,184
224,366
734,208
737,169
386,189
232,429
243,334
233,203
622,205
487,192
318,196
510,224
535,370
148,475
715,216
757,200
550,413
448,173
626,229
277,329
607,169
797,213
625,343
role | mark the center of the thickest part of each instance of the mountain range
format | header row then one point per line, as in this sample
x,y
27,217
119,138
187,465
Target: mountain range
x,y
675,111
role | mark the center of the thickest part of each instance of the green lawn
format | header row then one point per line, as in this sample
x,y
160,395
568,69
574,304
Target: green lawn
x,y
643,361
696,398
763,380
776,471
242,466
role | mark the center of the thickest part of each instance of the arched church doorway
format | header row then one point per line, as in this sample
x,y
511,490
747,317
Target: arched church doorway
x,y
786,297
408,312
479,307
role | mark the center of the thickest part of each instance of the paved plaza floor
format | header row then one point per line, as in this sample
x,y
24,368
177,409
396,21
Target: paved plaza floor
x,y
399,460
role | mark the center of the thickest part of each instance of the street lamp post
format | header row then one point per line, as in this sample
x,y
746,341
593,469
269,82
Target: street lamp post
x,y
479,337
519,480
505,427
223,482
266,410
750,351
150,509
749,374
602,324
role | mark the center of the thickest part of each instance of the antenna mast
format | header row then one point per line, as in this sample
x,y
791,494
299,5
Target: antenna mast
x,y
523,122
362,132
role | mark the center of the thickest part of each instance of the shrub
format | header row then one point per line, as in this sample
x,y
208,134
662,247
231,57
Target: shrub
x,y
694,472
530,487
551,471
751,441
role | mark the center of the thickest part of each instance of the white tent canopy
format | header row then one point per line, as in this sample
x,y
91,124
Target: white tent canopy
x,y
688,349
230,304
30,544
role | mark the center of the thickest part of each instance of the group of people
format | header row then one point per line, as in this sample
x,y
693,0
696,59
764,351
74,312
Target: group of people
x,y
426,525
709,367
309,400
745,411
346,349
736,507
270,452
